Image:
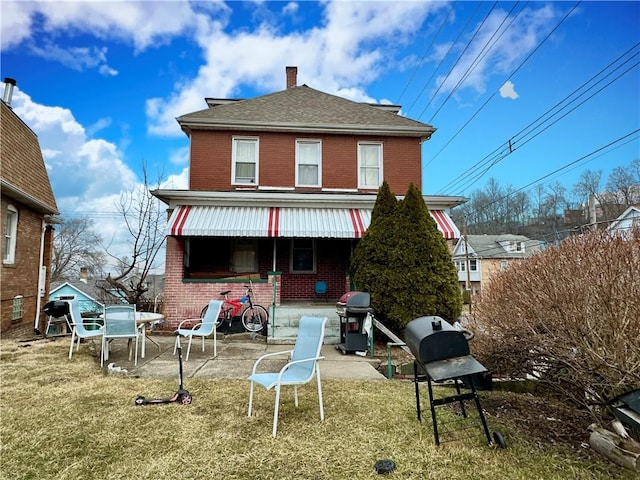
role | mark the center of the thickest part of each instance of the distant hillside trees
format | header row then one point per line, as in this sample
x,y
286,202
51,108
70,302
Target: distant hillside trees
x,y
550,212
404,263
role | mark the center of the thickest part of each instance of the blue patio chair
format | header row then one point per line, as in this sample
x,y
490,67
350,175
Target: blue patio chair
x,y
301,368
320,289
203,328
79,329
120,322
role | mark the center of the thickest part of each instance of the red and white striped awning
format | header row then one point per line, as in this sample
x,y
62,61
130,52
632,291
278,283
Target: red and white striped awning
x,y
283,222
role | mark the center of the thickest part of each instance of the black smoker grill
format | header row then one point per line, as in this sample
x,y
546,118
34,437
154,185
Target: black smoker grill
x,y
442,353
352,308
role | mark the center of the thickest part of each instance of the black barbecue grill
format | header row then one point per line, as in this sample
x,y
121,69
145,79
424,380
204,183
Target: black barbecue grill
x,y
442,353
353,308
57,312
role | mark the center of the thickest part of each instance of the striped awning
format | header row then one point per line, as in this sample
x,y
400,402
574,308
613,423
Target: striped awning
x,y
284,222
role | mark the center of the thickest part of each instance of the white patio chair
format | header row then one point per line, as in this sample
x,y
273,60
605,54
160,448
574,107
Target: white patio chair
x,y
301,368
79,328
202,328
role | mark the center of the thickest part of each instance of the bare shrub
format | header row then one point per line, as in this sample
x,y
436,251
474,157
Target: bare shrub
x,y
569,316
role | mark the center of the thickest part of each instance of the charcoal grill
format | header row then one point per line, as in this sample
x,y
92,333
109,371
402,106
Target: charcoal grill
x,y
442,353
57,312
353,308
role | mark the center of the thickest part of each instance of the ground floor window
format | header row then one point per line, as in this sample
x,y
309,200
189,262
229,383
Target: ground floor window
x,y
216,257
17,308
303,255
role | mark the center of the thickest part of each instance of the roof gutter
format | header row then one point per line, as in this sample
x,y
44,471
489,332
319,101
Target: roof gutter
x,y
357,129
174,198
29,200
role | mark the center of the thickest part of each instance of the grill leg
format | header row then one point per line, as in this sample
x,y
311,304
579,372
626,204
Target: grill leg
x,y
484,421
415,381
464,411
433,412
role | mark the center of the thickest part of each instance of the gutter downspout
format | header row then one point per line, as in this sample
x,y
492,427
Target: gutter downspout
x,y
41,280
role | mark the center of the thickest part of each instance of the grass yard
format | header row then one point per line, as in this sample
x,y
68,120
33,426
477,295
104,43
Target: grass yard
x,y
64,419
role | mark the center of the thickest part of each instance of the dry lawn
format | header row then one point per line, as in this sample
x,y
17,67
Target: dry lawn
x,y
65,419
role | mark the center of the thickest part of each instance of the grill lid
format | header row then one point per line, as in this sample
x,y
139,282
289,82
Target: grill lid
x,y
431,339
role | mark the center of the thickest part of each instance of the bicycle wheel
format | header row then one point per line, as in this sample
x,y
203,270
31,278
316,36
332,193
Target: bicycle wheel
x,y
255,318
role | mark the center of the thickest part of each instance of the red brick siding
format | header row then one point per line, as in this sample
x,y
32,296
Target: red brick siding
x,y
186,299
211,160
21,277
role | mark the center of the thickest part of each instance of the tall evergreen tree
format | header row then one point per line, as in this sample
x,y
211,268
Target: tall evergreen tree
x,y
369,265
404,263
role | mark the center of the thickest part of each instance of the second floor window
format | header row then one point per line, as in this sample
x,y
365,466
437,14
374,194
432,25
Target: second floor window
x,y
369,165
308,163
11,232
245,161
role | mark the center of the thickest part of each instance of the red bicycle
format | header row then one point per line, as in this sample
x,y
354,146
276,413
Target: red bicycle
x,y
254,317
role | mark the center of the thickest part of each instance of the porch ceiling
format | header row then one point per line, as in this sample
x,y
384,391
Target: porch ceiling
x,y
213,221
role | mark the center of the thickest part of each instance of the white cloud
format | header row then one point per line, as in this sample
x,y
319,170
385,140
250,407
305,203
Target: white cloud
x,y
508,90
498,48
87,174
342,56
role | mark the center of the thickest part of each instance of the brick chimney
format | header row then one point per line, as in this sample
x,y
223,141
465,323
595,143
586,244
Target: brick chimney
x,y
292,76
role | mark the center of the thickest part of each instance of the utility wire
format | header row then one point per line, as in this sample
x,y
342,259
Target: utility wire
x,y
424,55
483,53
537,123
446,55
508,78
504,147
567,165
444,81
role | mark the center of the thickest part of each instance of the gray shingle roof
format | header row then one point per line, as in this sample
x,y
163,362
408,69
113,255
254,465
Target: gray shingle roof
x,y
489,246
303,109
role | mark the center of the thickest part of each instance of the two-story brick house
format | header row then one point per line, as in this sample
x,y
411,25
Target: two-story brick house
x,y
27,212
281,187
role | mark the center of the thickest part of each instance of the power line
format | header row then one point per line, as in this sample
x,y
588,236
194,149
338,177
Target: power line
x,y
573,163
446,55
508,78
483,53
424,55
458,59
528,131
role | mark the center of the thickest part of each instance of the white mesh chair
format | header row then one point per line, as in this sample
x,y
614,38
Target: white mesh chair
x,y
120,322
202,328
301,368
78,328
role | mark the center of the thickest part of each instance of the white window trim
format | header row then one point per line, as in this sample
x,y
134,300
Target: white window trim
x,y
313,246
17,308
314,141
11,233
233,160
380,165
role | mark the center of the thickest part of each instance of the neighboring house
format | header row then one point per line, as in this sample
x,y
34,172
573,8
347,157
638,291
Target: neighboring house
x,y
27,212
86,293
479,257
281,188
628,220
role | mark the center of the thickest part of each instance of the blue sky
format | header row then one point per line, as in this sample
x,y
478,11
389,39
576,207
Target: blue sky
x,y
102,82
